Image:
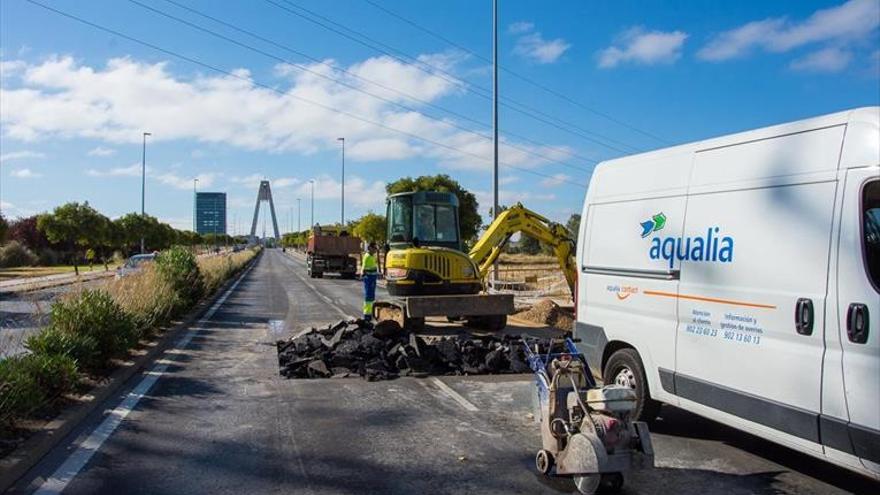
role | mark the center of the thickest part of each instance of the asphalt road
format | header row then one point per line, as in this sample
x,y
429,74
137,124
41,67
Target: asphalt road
x,y
219,419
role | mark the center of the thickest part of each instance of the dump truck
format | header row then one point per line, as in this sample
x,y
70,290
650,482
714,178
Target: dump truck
x,y
330,250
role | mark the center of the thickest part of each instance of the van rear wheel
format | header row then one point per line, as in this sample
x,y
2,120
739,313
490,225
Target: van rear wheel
x,y
625,368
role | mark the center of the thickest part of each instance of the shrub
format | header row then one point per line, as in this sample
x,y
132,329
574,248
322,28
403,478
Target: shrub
x,y
147,296
49,257
94,314
83,349
29,382
15,254
179,268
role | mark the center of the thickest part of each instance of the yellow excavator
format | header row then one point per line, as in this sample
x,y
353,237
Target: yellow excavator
x,y
428,273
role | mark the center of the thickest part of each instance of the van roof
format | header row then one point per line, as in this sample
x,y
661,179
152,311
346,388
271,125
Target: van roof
x,y
641,172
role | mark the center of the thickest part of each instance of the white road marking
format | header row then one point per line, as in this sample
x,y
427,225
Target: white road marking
x,y
454,395
77,460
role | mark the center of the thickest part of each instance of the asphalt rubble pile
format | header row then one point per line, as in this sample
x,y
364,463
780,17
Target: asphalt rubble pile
x,y
383,351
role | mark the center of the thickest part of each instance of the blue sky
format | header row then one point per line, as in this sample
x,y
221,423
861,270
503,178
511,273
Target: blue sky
x,y
76,99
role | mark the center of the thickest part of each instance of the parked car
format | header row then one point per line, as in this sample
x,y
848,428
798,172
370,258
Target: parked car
x,y
134,264
739,278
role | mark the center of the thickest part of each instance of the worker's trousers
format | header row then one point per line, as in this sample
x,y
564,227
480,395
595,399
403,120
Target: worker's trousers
x,y
369,294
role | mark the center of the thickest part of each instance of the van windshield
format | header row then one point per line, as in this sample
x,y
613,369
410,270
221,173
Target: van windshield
x,y
871,230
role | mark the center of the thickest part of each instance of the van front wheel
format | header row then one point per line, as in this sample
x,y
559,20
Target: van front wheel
x,y
625,367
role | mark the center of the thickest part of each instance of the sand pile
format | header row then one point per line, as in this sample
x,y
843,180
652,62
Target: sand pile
x,y
547,312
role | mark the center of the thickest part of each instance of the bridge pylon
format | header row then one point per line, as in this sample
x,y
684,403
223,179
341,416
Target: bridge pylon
x,y
264,194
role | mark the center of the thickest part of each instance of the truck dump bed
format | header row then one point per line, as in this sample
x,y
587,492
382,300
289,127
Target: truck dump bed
x,y
331,245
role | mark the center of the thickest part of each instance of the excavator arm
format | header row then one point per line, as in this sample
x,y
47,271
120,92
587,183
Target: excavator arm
x,y
520,219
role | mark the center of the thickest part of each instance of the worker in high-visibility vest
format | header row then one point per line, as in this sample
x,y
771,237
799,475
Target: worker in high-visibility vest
x,y
369,271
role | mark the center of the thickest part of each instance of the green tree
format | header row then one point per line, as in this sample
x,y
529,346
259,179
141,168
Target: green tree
x,y
370,227
130,227
4,227
574,225
468,208
75,223
529,245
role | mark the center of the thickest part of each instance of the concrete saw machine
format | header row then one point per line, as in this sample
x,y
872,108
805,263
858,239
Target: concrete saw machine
x,y
587,432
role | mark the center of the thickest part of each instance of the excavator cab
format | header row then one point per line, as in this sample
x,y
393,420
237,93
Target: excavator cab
x,y
423,219
425,254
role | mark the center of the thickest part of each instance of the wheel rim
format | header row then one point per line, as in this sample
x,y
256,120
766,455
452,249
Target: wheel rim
x,y
587,484
542,461
625,378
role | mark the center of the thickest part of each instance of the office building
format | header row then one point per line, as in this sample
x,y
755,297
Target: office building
x,y
211,213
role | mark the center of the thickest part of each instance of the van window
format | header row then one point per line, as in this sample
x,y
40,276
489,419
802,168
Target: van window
x,y
871,230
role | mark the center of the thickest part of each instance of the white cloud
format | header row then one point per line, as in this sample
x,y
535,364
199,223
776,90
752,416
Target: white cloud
x,y
850,22
24,173
555,180
252,181
358,191
133,170
240,202
379,149
510,197
826,60
183,223
10,68
20,155
249,182
11,211
168,178
101,151
176,181
508,179
520,27
532,45
284,182
60,98
643,47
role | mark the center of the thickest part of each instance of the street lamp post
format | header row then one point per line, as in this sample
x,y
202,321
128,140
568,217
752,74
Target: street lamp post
x,y
313,203
298,226
342,224
495,211
143,183
195,204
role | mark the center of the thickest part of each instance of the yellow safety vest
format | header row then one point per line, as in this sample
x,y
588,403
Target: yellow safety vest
x,y
369,264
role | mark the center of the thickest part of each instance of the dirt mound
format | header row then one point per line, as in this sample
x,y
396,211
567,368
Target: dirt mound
x,y
547,312
384,351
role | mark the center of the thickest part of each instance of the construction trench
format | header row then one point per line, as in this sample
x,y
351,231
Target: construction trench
x,y
384,351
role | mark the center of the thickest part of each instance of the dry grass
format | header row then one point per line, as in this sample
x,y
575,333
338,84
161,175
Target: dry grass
x,y
35,271
217,269
146,295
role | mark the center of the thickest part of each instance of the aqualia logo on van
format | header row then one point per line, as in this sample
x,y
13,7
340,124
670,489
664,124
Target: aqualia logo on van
x,y
712,248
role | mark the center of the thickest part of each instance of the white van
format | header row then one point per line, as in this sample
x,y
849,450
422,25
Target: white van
x,y
739,278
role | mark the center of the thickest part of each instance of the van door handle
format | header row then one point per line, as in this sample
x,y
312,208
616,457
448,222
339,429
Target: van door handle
x,y
803,316
857,323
